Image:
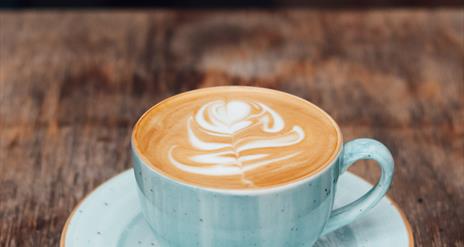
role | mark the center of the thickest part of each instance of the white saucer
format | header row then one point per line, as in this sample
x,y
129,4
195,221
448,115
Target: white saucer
x,y
110,216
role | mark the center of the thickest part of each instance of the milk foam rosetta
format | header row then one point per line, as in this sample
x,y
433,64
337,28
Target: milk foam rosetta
x,y
236,137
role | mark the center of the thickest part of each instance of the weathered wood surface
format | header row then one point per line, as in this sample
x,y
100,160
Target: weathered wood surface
x,y
73,83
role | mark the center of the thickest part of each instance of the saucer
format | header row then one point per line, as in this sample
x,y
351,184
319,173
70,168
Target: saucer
x,y
111,216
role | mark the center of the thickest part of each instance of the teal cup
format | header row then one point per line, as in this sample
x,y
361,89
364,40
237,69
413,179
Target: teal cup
x,y
294,214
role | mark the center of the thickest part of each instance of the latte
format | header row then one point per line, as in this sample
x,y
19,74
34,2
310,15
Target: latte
x,y
236,138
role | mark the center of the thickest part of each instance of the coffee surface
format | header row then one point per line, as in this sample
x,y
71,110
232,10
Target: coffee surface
x,y
236,138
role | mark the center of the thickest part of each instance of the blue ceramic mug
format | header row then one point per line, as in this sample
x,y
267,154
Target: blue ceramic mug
x,y
295,214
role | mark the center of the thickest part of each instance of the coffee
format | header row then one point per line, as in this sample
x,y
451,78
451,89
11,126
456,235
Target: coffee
x,y
236,138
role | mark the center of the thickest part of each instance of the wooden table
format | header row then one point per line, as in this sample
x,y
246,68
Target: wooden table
x,y
72,84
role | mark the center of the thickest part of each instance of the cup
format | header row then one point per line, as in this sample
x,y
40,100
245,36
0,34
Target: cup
x,y
294,214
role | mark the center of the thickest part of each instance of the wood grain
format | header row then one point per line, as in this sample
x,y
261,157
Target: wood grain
x,y
73,83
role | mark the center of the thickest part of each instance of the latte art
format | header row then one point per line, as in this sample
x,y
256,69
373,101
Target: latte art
x,y
231,153
236,138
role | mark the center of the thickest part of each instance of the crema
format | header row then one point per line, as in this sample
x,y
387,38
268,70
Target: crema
x,y
236,137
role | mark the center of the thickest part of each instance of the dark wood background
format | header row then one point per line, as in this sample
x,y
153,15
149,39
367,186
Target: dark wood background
x,y
197,4
72,84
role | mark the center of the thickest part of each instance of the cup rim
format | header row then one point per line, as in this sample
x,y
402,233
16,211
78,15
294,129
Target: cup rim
x,y
253,191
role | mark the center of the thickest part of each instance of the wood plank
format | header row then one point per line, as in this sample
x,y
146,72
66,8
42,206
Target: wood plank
x,y
73,83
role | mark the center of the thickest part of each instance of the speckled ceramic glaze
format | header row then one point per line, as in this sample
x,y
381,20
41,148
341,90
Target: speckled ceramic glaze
x,y
110,216
296,214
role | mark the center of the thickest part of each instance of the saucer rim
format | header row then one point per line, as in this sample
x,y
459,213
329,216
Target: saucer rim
x,y
64,231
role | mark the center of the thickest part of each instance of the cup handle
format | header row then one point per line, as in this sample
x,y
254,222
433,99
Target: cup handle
x,y
362,149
